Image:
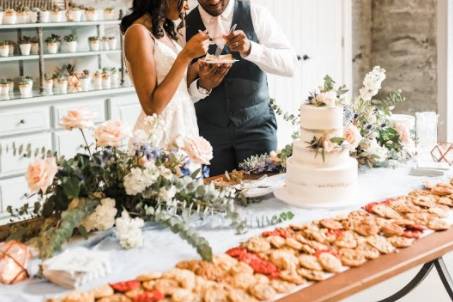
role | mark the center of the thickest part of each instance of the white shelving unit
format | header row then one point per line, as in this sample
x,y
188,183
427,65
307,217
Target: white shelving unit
x,y
35,120
42,57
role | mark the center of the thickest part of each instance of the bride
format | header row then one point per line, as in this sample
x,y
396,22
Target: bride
x,y
158,65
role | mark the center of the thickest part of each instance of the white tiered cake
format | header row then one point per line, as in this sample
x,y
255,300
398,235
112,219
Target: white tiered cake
x,y
321,173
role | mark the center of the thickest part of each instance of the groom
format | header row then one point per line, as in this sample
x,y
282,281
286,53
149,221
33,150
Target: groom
x,y
232,102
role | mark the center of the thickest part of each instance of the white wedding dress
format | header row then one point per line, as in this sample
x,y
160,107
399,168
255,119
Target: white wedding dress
x,y
178,118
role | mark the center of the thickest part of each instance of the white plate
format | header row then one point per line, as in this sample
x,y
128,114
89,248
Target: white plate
x,y
262,187
220,62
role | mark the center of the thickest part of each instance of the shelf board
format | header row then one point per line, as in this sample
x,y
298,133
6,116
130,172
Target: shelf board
x,y
37,98
19,58
61,24
60,55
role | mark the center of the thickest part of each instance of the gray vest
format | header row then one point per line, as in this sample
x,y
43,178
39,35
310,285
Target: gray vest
x,y
244,93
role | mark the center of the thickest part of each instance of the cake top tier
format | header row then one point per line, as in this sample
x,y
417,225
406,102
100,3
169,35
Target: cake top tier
x,y
321,118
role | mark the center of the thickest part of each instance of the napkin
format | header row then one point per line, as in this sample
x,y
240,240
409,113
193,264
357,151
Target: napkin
x,y
76,267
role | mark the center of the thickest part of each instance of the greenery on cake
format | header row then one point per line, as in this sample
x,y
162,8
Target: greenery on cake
x,y
328,95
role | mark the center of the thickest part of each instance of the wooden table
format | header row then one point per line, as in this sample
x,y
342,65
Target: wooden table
x,y
427,251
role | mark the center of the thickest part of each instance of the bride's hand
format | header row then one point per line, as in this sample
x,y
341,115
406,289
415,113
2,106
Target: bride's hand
x,y
197,46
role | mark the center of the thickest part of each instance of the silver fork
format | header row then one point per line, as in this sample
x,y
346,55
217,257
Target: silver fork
x,y
219,50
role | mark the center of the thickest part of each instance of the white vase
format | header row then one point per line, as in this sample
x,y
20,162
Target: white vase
x,y
116,82
75,15
4,51
35,48
11,86
70,46
109,15
25,49
4,90
86,84
95,45
106,82
11,50
98,83
33,15
22,18
112,43
52,48
9,19
62,86
105,44
57,16
91,15
1,17
44,16
26,90
47,87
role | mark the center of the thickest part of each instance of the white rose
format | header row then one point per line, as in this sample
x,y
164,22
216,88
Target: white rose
x,y
103,217
328,98
167,195
135,182
129,231
352,136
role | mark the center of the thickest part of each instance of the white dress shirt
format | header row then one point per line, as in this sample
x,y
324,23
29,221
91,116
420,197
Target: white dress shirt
x,y
273,54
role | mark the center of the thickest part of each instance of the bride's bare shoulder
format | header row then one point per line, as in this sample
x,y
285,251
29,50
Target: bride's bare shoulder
x,y
137,32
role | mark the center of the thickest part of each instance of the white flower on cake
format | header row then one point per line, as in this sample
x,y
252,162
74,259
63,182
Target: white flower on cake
x,y
103,217
328,98
129,231
352,136
327,95
78,119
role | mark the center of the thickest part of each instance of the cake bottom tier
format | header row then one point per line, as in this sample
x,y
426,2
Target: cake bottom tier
x,y
331,185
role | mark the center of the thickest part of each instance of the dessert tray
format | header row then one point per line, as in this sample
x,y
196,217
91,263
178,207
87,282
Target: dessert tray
x,y
279,262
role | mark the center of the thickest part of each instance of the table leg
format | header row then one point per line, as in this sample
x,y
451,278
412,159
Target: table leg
x,y
421,275
444,276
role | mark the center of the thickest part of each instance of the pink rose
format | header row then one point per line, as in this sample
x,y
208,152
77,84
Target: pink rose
x,y
403,132
198,149
41,173
78,119
110,134
352,136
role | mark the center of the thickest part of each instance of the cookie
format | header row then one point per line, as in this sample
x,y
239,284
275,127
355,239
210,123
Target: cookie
x,y
312,275
310,262
381,244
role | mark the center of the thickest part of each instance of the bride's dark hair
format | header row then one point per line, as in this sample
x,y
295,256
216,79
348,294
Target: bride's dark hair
x,y
156,10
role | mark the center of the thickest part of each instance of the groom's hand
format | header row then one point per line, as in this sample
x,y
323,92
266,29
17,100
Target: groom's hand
x,y
211,75
237,41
